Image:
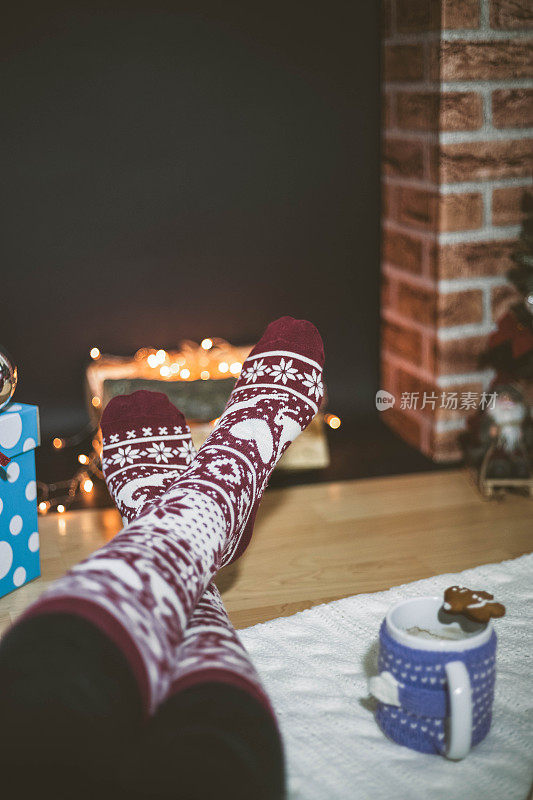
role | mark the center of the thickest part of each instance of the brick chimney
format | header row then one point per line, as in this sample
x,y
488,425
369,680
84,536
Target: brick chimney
x,y
457,147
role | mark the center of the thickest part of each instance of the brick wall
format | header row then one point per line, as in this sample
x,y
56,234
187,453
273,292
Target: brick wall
x,y
457,147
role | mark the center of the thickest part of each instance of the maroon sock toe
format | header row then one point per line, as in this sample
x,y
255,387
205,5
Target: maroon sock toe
x,y
138,407
297,335
146,444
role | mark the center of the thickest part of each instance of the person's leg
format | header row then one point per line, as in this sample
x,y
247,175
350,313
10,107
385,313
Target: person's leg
x,y
68,706
71,717
210,740
142,587
215,734
217,715
68,698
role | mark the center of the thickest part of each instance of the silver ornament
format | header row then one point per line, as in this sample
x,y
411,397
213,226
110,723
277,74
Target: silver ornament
x,y
8,378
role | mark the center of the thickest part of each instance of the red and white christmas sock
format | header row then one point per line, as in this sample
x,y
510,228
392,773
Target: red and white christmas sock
x,y
278,393
146,445
141,588
211,651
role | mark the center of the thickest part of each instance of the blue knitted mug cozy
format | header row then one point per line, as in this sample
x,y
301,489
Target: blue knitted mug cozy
x,y
419,721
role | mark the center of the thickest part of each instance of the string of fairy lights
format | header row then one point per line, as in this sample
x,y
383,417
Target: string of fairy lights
x,y
211,359
59,495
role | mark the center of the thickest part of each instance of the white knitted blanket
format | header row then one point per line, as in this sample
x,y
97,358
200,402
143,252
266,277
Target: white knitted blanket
x,y
315,665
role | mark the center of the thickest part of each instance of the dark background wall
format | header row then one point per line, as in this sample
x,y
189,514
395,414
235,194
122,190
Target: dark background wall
x,y
178,170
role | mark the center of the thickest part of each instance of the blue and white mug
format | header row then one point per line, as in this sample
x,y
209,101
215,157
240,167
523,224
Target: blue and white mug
x,y
437,671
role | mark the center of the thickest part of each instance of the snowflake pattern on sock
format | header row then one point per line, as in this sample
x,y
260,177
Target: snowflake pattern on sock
x,y
140,468
142,587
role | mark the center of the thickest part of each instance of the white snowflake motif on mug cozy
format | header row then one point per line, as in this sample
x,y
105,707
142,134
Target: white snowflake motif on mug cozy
x,y
284,371
257,370
126,455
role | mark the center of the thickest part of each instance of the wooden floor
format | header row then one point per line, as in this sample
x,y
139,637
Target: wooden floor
x,y
318,543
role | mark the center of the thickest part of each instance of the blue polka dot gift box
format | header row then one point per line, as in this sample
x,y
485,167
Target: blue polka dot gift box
x,y
19,534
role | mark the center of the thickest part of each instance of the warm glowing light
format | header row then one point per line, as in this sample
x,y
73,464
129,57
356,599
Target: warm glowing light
x,y
211,359
214,421
333,421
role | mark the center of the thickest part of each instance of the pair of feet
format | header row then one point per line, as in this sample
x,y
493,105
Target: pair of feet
x,y
147,448
149,591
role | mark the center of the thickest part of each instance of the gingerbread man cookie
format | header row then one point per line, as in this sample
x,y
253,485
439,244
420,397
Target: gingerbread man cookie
x,y
475,605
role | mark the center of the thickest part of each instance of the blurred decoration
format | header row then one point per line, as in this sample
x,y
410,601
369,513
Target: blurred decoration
x,y
499,443
499,439
59,495
510,347
198,379
8,377
8,383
